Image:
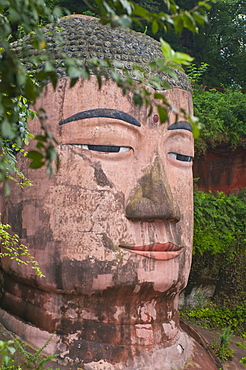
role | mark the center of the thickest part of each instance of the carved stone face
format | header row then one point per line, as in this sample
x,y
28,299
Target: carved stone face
x,y
119,212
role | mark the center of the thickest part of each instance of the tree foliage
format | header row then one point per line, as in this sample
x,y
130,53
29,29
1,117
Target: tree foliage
x,y
220,43
219,248
18,88
223,117
220,223
13,249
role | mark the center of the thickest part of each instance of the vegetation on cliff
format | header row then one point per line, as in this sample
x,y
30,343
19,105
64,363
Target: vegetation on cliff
x,y
220,223
219,262
223,117
220,42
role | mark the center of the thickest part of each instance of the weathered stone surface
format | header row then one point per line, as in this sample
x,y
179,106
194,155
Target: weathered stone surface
x,y
221,169
114,258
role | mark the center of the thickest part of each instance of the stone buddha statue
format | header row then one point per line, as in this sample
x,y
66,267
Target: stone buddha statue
x,y
112,230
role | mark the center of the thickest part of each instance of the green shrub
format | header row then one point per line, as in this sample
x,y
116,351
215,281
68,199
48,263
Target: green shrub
x,y
215,317
223,118
219,223
221,348
243,361
13,249
35,360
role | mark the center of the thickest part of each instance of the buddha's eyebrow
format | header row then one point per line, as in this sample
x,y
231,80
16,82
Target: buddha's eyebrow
x,y
183,125
102,112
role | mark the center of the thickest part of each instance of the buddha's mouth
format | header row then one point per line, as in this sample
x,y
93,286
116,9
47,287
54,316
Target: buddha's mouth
x,y
157,251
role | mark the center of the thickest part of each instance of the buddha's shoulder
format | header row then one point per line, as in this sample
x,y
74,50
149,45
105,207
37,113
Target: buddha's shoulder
x,y
203,357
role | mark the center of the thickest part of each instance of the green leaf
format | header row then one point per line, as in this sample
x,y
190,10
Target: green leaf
x,y
57,12
127,5
40,145
205,4
99,81
156,82
36,164
195,131
11,350
34,155
155,26
41,138
53,78
6,189
4,3
73,72
166,49
117,64
7,131
178,24
125,21
14,15
73,81
170,71
85,74
138,100
159,96
162,114
48,67
199,18
29,89
181,58
189,22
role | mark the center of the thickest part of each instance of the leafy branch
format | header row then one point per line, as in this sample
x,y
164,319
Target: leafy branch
x,y
124,13
13,249
220,223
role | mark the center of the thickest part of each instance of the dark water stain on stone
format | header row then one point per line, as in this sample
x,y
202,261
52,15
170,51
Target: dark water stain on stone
x,y
15,218
107,242
100,176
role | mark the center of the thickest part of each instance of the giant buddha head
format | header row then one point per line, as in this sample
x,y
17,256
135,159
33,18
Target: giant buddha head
x,y
112,230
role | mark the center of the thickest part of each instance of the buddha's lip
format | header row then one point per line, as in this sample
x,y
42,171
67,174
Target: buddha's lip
x,y
157,251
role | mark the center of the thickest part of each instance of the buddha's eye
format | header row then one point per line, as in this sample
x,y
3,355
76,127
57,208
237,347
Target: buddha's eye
x,y
103,148
181,157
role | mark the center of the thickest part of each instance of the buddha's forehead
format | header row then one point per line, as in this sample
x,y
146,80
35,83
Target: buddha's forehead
x,y
85,104
86,95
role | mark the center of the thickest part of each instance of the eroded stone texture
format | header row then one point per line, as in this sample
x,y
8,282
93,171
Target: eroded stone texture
x,y
112,232
221,169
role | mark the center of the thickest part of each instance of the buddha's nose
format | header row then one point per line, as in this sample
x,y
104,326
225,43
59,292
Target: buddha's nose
x,y
152,199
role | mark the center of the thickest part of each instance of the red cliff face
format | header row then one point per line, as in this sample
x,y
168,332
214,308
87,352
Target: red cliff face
x,y
221,169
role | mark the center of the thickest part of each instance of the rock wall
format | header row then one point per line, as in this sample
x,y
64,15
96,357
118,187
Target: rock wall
x,y
221,169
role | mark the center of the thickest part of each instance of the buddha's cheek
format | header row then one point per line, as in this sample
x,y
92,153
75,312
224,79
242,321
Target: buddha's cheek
x,y
88,219
181,181
89,223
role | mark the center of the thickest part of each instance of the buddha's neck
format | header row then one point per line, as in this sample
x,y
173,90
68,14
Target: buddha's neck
x,y
119,322
118,325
